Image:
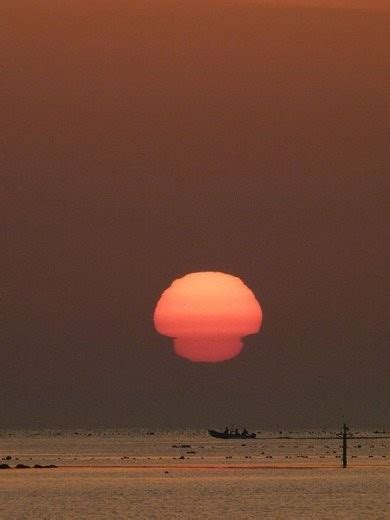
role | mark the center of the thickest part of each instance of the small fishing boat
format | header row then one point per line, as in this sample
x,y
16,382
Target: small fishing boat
x,y
232,435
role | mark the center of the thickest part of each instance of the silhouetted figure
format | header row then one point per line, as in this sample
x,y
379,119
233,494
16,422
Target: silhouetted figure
x,y
245,431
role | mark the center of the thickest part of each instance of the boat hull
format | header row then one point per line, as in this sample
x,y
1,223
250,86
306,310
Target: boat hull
x,y
223,435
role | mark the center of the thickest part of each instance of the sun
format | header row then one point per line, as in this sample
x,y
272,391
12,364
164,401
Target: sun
x,y
207,314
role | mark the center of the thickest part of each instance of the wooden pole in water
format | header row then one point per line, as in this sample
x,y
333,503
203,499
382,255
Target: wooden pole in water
x,y
345,462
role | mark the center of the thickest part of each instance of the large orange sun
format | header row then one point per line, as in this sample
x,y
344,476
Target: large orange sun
x,y
207,314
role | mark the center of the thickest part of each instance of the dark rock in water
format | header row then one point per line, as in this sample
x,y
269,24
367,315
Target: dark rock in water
x,y
8,457
190,452
51,466
182,457
21,466
37,466
4,466
185,446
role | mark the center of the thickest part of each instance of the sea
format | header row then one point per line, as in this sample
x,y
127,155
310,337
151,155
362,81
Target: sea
x,y
186,474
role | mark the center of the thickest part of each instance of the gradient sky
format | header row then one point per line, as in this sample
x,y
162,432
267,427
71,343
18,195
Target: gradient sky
x,y
146,140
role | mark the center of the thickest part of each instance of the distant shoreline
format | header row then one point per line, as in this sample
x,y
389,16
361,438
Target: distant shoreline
x,y
353,437
205,467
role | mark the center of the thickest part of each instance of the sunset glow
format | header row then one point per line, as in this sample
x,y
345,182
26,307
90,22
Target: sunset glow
x,y
207,314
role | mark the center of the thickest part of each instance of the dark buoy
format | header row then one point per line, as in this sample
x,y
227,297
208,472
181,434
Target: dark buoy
x,y
344,432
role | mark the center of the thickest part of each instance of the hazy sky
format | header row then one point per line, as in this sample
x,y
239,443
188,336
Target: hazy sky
x,y
146,140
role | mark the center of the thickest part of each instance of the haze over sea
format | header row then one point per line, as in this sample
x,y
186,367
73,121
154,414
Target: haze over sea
x,y
187,474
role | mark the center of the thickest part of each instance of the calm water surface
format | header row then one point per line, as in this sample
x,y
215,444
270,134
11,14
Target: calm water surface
x,y
129,474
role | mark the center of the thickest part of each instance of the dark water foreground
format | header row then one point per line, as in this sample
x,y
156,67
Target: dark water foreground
x,y
128,474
